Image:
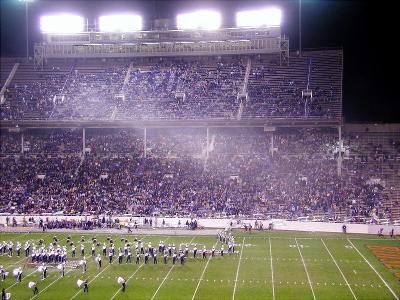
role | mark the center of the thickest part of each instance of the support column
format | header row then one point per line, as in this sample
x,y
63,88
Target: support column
x,y
208,142
22,143
145,143
300,28
271,149
83,141
339,160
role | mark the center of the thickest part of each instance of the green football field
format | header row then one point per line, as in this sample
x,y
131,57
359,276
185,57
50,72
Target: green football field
x,y
277,265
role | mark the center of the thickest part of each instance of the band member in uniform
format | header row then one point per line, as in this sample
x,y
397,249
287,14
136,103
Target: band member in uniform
x,y
155,261
104,249
187,250
82,250
35,290
62,271
84,265
19,276
73,251
110,256
98,259
165,257
85,286
18,249
195,251
129,256
120,256
44,273
2,273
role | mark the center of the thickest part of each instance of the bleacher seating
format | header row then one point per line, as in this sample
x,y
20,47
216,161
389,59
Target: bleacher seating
x,y
242,174
194,88
289,172
276,91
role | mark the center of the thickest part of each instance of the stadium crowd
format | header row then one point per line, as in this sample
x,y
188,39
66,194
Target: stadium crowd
x,y
202,88
242,174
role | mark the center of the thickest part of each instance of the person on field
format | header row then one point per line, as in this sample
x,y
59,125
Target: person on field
x,y
98,259
165,257
85,286
195,251
120,256
104,249
35,290
110,256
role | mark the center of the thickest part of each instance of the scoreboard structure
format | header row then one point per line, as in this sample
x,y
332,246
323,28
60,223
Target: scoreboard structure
x,y
162,43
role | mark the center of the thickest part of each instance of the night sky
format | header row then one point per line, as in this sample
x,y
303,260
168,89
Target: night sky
x,y
366,30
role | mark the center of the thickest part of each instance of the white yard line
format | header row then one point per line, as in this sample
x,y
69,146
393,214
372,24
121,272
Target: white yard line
x,y
305,268
202,274
162,282
387,285
50,285
166,276
18,261
385,238
17,235
237,271
272,270
94,278
25,258
21,280
23,252
115,295
344,277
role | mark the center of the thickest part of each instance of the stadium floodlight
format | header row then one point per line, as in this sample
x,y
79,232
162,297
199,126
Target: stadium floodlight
x,y
258,18
202,19
63,23
120,23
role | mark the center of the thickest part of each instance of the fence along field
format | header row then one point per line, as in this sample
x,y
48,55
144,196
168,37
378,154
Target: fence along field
x,y
264,266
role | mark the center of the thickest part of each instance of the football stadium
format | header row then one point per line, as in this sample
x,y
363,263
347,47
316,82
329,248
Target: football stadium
x,y
198,150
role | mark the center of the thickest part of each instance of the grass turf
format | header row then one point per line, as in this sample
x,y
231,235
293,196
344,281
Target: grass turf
x,y
277,265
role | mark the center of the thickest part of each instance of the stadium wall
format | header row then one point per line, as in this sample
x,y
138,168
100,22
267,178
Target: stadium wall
x,y
225,223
